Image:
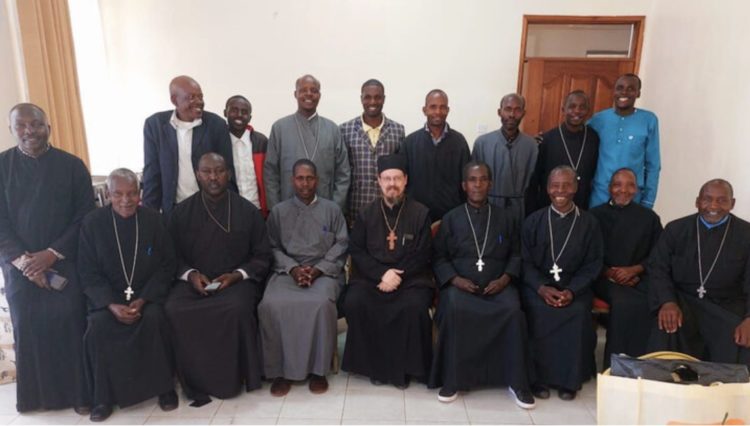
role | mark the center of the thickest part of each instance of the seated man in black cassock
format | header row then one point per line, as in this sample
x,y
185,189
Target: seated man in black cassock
x,y
562,252
629,231
126,264
482,336
44,195
223,257
700,281
390,288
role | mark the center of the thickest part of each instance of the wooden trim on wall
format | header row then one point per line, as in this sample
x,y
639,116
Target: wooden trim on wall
x,y
638,23
51,72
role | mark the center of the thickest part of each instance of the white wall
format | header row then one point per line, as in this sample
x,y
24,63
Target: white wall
x,y
11,87
470,49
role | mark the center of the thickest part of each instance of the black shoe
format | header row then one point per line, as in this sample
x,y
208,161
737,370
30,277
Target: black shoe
x,y
82,410
168,401
540,391
403,385
100,413
447,394
566,394
376,382
523,398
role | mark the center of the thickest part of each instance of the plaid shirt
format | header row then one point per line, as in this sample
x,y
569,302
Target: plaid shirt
x,y
364,160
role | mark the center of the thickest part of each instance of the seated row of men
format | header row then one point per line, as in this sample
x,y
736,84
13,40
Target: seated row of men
x,y
514,306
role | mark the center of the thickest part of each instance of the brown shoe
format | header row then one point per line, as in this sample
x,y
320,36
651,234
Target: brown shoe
x,y
318,384
280,386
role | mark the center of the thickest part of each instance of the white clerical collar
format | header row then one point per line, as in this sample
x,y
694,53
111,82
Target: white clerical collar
x,y
563,215
185,125
312,203
310,118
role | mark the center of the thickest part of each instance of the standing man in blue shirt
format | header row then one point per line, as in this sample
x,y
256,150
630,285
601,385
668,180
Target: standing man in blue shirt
x,y
629,137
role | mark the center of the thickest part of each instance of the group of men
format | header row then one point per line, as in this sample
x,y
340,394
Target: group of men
x,y
230,268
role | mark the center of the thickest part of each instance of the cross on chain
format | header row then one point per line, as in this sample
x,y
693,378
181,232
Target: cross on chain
x,y
479,264
556,271
391,240
128,292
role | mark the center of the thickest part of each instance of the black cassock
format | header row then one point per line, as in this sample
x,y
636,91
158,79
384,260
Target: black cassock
x,y
629,233
552,154
390,334
481,340
42,205
709,323
126,364
561,340
216,338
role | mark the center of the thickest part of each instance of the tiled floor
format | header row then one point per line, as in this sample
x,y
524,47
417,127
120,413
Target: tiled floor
x,y
349,400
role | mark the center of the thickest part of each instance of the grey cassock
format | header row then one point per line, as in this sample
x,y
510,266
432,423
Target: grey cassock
x,y
298,324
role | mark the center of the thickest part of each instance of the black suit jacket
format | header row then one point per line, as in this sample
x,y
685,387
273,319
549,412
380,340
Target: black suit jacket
x,y
160,155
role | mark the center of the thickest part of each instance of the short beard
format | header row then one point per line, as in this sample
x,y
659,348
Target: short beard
x,y
394,200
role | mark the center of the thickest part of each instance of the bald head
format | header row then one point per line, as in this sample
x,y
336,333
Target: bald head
x,y
719,183
212,158
187,97
307,93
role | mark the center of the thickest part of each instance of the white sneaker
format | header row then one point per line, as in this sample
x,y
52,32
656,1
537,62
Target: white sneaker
x,y
447,395
523,399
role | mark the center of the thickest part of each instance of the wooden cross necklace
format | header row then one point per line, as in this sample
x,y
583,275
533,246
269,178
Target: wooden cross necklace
x,y
480,253
391,238
702,289
128,280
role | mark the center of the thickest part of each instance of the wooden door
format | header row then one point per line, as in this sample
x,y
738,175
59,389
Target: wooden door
x,y
549,80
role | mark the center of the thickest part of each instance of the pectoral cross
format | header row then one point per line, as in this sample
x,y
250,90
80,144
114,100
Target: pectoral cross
x,y
701,292
128,292
391,238
555,271
479,264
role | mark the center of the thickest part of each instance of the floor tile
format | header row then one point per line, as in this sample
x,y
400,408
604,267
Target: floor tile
x,y
6,419
300,403
376,403
249,420
258,403
46,420
154,420
310,421
422,404
556,411
494,406
371,422
114,419
221,420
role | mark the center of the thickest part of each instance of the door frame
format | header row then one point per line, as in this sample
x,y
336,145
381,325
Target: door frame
x,y
638,23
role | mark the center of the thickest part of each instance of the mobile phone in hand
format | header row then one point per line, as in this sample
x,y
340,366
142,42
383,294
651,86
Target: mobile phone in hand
x,y
213,286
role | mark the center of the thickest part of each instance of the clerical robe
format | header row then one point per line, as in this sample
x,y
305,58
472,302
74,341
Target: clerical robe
x,y
552,153
629,233
319,140
436,170
126,364
512,164
561,340
216,337
298,324
708,324
390,334
481,339
42,203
